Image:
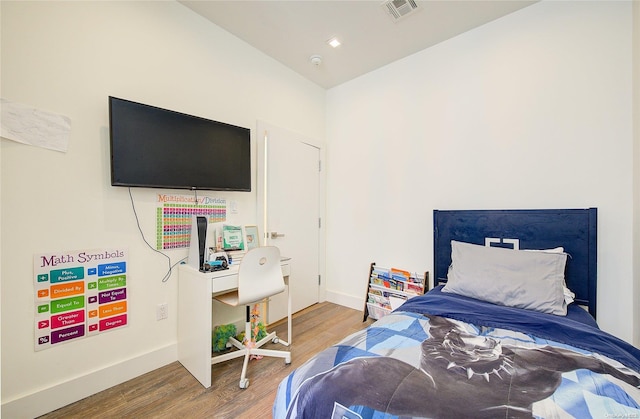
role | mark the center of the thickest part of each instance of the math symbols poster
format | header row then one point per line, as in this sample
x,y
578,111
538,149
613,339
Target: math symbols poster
x,y
79,294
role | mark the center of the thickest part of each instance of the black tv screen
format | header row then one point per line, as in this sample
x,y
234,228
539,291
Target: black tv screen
x,y
158,148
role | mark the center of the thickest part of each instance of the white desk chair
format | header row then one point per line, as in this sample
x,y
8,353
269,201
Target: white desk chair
x,y
259,277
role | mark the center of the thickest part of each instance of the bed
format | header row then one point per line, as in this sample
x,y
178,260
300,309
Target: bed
x,y
507,331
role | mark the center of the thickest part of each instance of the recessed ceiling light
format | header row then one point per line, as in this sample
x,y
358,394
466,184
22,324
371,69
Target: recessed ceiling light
x,y
334,42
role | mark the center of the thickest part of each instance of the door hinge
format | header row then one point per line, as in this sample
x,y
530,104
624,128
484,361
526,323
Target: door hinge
x,y
319,165
319,222
319,282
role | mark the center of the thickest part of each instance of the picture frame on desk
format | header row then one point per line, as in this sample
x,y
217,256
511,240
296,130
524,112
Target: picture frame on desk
x,y
252,238
232,238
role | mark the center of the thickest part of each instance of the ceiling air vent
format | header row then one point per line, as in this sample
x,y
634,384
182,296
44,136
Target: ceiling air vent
x,y
399,9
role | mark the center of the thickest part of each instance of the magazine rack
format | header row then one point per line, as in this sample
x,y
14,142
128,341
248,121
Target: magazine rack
x,y
388,288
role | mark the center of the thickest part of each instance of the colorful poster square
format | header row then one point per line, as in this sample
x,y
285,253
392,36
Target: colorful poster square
x,y
173,217
73,287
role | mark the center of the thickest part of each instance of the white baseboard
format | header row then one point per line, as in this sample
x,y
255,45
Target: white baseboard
x,y
345,300
62,394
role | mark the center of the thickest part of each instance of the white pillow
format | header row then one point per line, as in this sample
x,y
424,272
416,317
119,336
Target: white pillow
x,y
569,296
514,278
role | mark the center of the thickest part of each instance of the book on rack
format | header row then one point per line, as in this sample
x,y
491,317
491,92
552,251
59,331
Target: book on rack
x,y
400,274
397,279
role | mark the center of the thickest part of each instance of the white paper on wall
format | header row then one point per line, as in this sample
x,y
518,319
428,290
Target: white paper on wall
x,y
28,125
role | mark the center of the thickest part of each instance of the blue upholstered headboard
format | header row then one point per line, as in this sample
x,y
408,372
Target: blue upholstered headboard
x,y
573,229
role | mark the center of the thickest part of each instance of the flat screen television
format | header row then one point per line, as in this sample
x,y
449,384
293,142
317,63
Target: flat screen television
x,y
159,148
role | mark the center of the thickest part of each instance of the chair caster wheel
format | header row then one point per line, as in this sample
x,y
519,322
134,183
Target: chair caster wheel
x,y
244,383
275,340
287,360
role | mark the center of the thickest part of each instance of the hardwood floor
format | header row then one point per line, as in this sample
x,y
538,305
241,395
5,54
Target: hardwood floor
x,y
171,392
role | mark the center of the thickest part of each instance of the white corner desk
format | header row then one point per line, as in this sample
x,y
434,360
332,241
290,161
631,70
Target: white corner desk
x,y
195,317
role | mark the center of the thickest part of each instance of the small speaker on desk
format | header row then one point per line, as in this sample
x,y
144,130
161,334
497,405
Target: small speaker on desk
x,y
198,243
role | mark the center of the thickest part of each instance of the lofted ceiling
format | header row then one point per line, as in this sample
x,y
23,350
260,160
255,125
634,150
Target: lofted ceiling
x,y
293,31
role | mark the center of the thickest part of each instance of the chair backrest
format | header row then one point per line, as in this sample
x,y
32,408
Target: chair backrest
x,y
259,275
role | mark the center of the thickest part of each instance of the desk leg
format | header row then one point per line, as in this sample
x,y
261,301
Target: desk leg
x,y
289,308
194,326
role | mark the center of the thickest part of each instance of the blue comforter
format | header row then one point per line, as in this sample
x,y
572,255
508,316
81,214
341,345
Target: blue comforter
x,y
442,355
578,328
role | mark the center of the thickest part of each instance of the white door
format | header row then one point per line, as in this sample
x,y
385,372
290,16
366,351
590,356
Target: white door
x,y
289,204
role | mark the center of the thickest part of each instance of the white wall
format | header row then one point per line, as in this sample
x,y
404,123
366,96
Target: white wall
x,y
532,110
636,166
67,58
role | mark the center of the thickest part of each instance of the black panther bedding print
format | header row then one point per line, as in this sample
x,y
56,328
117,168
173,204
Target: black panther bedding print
x,y
457,370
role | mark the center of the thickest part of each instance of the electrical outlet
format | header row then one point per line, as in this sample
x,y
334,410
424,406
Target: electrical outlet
x,y
162,311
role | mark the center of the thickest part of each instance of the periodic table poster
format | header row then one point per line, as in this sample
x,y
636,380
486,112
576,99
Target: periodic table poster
x,y
174,214
78,294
